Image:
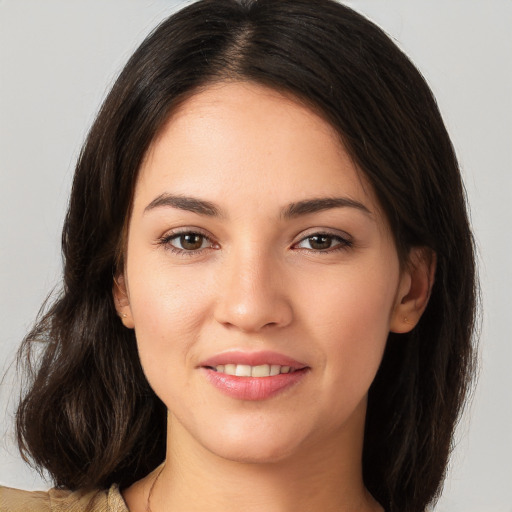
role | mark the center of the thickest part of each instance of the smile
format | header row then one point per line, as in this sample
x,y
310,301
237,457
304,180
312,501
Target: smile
x,y
245,370
253,375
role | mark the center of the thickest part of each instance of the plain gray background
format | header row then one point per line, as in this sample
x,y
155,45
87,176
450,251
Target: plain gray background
x,y
58,59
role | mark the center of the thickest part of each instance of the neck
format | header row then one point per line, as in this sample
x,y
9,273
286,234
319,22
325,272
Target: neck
x,y
326,477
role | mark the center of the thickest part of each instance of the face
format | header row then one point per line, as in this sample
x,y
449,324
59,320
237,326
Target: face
x,y
261,276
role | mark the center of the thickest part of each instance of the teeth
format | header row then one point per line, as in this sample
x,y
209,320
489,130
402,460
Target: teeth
x,y
260,371
229,369
275,369
244,370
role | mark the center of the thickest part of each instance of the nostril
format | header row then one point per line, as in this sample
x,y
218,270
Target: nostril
x,y
250,310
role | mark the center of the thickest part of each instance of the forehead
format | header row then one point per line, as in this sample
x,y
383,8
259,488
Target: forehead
x,y
243,138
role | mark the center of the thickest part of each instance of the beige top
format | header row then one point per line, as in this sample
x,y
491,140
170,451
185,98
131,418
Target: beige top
x,y
56,500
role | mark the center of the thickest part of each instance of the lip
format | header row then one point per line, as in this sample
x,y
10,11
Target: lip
x,y
252,359
252,388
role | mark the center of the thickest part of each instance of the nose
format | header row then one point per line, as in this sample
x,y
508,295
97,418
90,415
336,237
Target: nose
x,y
253,293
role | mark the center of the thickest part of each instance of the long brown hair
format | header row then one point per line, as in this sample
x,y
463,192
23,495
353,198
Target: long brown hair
x,y
90,417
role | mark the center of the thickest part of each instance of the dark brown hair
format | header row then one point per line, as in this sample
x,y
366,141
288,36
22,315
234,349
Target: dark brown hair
x,y
90,417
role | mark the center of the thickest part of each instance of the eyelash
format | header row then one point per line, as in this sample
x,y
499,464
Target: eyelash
x,y
165,241
342,245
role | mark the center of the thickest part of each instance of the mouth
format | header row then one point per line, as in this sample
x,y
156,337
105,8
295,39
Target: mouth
x,y
245,370
253,376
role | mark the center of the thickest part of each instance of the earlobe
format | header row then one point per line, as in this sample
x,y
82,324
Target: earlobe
x,y
414,291
122,301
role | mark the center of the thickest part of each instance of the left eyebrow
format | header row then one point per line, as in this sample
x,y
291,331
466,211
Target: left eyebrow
x,y
317,205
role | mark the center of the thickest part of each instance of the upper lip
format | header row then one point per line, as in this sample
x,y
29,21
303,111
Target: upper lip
x,y
252,359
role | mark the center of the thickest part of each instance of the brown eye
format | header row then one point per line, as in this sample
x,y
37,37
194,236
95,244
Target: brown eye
x,y
320,242
323,242
189,241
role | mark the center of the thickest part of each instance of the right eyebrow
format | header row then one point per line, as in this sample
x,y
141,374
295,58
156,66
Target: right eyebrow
x,y
190,204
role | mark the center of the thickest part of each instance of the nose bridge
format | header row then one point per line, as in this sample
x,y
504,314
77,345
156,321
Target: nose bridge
x,y
252,291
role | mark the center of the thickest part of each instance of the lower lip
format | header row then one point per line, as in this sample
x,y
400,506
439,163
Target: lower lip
x,y
253,388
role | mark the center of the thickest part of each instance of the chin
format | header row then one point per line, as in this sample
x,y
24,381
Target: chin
x,y
257,453
254,446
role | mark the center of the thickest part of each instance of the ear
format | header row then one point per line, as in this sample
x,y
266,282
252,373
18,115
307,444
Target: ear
x,y
122,301
414,290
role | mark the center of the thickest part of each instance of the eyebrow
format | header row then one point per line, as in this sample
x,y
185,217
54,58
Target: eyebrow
x,y
293,210
190,204
317,205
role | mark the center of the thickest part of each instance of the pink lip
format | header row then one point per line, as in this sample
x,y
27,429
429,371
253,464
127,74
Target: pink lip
x,y
252,388
252,359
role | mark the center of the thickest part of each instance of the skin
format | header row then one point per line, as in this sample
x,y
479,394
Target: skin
x,y
257,282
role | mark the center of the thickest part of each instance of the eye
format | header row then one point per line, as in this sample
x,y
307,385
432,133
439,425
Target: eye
x,y
186,242
323,242
189,241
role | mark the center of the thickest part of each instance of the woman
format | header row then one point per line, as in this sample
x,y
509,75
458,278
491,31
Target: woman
x,y
269,278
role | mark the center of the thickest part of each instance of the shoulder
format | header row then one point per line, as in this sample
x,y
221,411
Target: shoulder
x,y
14,500
58,500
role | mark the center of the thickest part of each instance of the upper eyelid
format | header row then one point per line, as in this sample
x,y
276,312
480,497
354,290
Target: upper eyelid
x,y
183,231
335,233
341,240
172,234
165,241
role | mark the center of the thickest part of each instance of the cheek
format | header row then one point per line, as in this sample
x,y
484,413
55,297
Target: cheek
x,y
351,323
168,307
